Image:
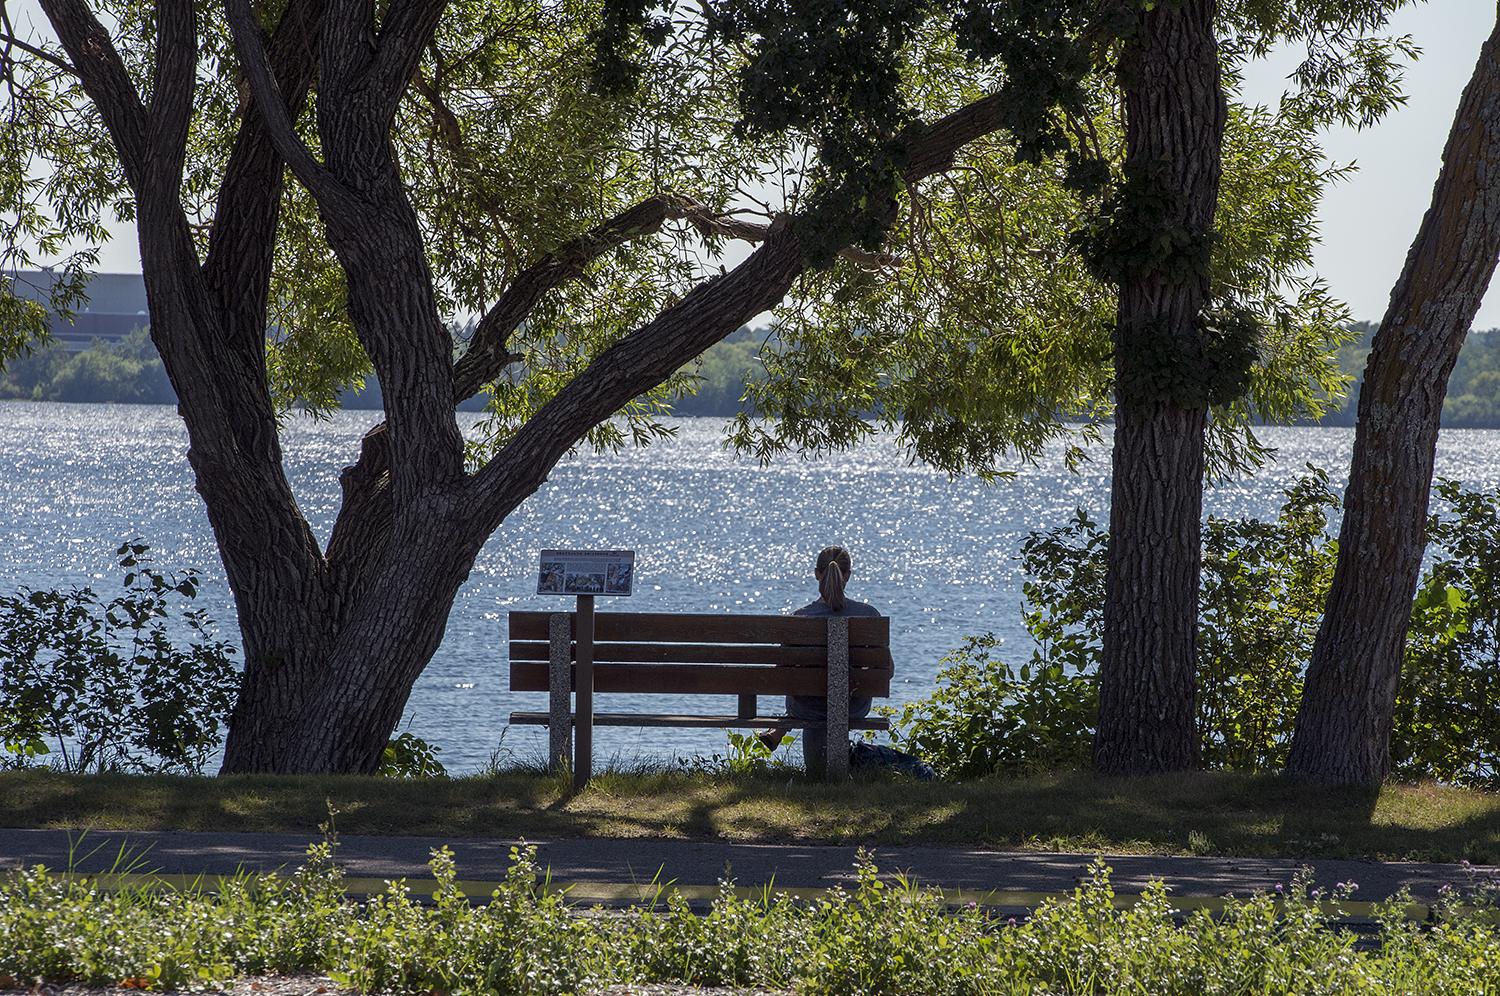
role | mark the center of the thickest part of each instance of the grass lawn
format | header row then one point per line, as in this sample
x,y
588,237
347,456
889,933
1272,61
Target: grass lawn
x,y
1200,813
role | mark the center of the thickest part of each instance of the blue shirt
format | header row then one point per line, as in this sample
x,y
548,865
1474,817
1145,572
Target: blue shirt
x,y
851,608
815,707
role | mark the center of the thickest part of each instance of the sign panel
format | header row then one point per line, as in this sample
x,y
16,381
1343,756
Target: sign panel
x,y
586,572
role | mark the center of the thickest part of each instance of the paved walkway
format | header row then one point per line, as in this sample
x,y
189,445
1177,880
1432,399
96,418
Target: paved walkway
x,y
703,863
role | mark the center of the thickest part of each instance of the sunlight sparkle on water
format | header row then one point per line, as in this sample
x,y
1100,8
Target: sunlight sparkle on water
x,y
710,530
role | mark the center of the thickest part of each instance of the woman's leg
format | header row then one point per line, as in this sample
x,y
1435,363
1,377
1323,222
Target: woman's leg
x,y
814,710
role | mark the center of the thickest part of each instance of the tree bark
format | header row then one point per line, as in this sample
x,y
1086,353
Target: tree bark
x,y
1348,705
334,639
331,705
208,322
412,521
1174,117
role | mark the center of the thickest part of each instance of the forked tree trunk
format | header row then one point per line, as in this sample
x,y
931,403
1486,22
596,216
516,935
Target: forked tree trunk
x,y
331,703
1174,118
1343,732
335,639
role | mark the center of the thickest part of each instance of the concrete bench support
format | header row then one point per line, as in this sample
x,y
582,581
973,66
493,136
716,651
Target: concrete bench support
x,y
559,691
838,699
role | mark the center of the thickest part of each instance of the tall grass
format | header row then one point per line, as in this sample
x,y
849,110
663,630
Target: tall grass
x,y
877,937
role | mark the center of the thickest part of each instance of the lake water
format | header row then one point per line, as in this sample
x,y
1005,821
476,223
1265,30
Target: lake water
x,y
711,531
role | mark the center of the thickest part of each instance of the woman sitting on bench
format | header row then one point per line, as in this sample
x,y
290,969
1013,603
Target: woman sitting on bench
x,y
832,572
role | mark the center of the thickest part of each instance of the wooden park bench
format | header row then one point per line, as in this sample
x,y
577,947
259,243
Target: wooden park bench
x,y
645,653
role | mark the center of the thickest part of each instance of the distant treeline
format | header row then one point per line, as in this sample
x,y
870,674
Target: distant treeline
x,y
129,371
1473,400
126,371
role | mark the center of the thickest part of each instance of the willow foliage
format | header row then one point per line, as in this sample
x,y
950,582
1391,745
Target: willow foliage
x,y
976,332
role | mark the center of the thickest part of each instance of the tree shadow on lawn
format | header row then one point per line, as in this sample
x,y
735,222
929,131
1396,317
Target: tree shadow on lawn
x,y
1231,814
1200,812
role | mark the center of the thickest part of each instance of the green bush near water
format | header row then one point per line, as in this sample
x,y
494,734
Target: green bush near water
x,y
878,937
1263,589
140,682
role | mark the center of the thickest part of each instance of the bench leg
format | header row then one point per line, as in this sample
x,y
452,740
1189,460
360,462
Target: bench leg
x,y
747,707
838,699
583,693
560,691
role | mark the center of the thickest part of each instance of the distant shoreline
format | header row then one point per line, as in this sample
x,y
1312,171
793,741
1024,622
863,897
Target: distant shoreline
x,y
1335,423
128,371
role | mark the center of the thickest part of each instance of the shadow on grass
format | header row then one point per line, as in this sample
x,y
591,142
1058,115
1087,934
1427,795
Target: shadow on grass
x,y
1201,812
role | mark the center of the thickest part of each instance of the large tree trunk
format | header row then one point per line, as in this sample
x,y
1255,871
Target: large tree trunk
x,y
331,704
1174,116
1344,724
335,639
1147,688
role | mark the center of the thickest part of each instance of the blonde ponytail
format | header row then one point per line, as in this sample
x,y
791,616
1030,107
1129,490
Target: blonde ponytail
x,y
833,569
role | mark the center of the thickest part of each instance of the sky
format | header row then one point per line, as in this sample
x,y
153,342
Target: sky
x,y
1368,221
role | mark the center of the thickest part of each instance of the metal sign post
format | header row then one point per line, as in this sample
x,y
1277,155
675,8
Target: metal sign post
x,y
584,573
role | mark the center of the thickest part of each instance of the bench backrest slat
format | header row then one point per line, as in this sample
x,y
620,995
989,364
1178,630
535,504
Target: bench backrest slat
x,y
706,653
699,679
666,627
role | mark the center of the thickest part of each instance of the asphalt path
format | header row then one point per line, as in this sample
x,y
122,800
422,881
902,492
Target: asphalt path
x,y
704,863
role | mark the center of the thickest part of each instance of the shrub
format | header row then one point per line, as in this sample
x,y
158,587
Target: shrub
x,y
1263,590
881,936
988,716
1261,594
746,756
1448,705
1264,585
409,756
90,685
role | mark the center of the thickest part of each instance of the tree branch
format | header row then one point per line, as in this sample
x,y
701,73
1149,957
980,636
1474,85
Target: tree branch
x,y
272,105
105,79
405,32
711,311
933,147
347,45
242,239
171,108
10,41
231,438
488,356
726,226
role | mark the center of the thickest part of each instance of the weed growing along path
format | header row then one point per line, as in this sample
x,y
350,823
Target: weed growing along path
x,y
1205,813
875,937
629,871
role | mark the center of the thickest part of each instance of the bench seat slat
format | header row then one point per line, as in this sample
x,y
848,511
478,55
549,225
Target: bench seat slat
x,y
706,653
670,627
709,679
702,722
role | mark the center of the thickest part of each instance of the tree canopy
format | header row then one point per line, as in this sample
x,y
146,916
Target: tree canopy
x,y
973,325
937,192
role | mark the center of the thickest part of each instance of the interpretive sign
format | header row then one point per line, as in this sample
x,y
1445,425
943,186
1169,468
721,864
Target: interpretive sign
x,y
586,572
